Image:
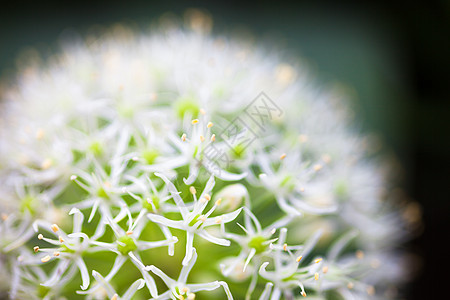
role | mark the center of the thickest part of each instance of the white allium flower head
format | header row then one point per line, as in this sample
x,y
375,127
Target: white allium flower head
x,y
225,153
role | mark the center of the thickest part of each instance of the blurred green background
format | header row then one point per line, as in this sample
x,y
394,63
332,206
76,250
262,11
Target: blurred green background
x,y
393,60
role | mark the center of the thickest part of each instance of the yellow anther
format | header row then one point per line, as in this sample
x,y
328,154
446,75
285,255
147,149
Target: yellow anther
x,y
193,190
299,258
370,290
40,236
115,297
180,297
318,260
303,138
213,138
316,276
47,163
302,189
4,217
61,240
218,220
184,290
56,253
202,218
107,184
191,296
45,258
210,124
207,197
39,133
325,270
129,232
303,294
359,254
375,263
326,158
283,156
55,228
218,201
202,138
317,167
202,111
183,137
285,247
36,249
195,121
350,285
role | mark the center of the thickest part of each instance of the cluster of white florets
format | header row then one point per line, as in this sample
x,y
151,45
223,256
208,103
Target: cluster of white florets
x,y
103,161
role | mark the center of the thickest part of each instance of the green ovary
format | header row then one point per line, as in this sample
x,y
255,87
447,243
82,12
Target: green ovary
x,y
126,244
149,206
29,203
186,105
257,243
150,155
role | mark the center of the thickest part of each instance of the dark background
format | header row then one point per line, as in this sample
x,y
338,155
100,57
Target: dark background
x,y
393,58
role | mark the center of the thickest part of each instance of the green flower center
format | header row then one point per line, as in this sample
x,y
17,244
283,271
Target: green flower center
x,y
257,243
29,203
150,155
126,244
149,206
186,105
96,148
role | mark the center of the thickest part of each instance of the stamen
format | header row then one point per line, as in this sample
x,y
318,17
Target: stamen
x,y
36,249
193,190
350,285
370,290
40,236
302,189
273,231
299,258
359,254
218,201
303,138
326,158
285,247
207,197
115,297
195,121
55,228
4,217
218,220
129,232
283,156
325,270
184,290
213,138
303,294
183,137
202,111
45,258
202,138
318,260
210,124
191,296
317,167
56,253
61,240
47,163
40,134
316,276
202,218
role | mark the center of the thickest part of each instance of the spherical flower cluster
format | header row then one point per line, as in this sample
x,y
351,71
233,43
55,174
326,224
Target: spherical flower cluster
x,y
178,165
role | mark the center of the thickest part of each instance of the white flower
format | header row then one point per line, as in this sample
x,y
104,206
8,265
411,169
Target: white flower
x,y
180,290
195,222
